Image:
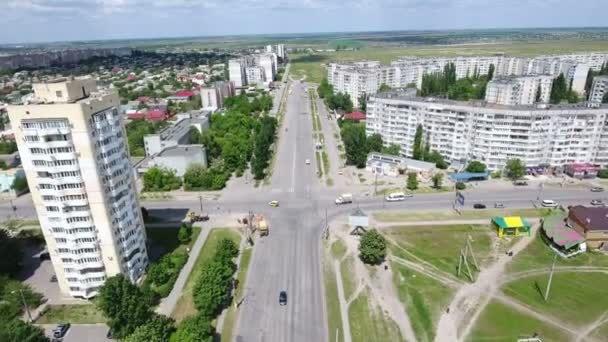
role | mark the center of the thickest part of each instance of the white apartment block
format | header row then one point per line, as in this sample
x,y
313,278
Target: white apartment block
x,y
73,146
465,131
212,98
236,72
518,90
255,75
268,63
353,77
599,88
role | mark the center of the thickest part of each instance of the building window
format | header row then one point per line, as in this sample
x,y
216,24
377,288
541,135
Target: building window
x,y
58,93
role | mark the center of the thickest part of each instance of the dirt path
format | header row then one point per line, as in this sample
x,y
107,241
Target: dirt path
x,y
584,334
427,272
470,300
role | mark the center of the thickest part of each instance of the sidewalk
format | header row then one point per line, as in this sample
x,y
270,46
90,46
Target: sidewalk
x,y
343,304
167,305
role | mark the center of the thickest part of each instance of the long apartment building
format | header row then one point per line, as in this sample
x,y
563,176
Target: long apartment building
x,y
258,70
73,147
491,133
519,90
599,89
356,78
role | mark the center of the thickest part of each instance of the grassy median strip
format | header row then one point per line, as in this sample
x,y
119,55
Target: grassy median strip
x,y
74,313
332,302
409,216
319,170
185,304
231,313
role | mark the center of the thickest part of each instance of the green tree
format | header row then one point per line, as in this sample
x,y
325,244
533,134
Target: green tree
x,y
10,263
195,136
437,180
355,144
559,89
460,186
16,330
372,247
384,88
392,149
538,95
363,102
20,184
161,179
124,304
515,169
196,328
603,173
157,329
226,250
8,146
412,181
417,148
426,150
374,143
476,167
491,70
212,289
184,234
438,159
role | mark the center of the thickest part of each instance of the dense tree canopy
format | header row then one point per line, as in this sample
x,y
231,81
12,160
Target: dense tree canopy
x,y
158,329
515,169
412,181
161,179
437,180
194,329
264,138
476,166
10,262
16,330
136,130
355,144
372,247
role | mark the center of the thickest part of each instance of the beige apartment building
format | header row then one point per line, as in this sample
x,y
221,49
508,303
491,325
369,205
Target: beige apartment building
x,y
73,146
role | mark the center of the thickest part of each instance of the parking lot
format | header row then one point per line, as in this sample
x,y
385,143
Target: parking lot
x,y
81,333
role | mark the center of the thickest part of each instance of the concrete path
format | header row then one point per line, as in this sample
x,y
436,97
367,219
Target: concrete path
x,y
343,303
168,304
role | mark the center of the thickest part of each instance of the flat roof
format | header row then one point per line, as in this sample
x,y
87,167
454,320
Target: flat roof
x,y
182,151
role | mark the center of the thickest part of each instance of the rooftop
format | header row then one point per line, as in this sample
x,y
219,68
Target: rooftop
x,y
590,218
182,151
556,229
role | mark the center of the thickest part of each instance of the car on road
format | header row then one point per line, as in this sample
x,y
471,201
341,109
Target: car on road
x,y
597,189
307,161
397,196
283,298
53,279
520,182
340,172
479,206
273,203
549,204
597,202
61,330
499,205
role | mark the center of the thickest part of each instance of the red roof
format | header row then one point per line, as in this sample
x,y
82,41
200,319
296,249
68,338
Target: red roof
x,y
582,167
143,98
355,116
131,77
136,115
184,93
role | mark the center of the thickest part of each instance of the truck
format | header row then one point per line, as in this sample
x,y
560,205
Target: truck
x,y
194,217
263,227
344,199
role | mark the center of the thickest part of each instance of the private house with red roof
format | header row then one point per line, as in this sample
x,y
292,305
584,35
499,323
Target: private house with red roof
x,y
582,170
157,113
591,223
561,237
181,96
358,116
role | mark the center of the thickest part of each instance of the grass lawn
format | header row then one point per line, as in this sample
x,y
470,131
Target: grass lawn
x,y
75,314
166,239
424,299
349,280
499,322
578,298
369,324
408,216
332,303
440,245
601,332
319,171
325,161
338,249
230,318
538,255
185,304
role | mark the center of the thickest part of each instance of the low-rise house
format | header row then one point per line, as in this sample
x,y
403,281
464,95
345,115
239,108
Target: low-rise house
x,y
581,170
388,165
357,116
561,237
177,158
181,96
177,134
591,223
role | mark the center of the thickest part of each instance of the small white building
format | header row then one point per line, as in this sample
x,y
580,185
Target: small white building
x,y
387,165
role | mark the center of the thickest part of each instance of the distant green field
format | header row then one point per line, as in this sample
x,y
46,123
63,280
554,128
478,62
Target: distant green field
x,y
311,64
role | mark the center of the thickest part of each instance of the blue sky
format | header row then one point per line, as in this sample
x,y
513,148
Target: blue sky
x,y
59,20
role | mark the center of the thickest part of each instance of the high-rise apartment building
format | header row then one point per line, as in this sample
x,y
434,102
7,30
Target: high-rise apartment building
x,y
212,97
236,72
599,89
73,147
268,63
519,90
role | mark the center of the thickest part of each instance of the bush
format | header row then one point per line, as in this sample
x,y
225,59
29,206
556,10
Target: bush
x,y
184,234
163,274
603,173
460,186
412,181
194,329
372,247
161,179
20,184
476,167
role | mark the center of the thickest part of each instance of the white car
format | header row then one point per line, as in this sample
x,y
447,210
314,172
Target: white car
x,y
307,161
549,204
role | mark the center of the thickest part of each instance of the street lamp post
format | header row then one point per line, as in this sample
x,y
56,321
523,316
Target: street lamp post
x,y
27,309
200,198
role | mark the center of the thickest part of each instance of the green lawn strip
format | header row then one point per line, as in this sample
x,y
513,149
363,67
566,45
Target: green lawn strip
x,y
319,170
185,305
424,298
369,324
577,298
166,237
329,182
349,281
231,314
338,249
499,322
332,302
408,216
440,245
325,161
74,313
538,255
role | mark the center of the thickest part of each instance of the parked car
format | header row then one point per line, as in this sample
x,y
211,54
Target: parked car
x,y
499,205
520,182
53,279
273,203
597,189
44,256
479,206
307,161
597,202
283,298
549,204
61,330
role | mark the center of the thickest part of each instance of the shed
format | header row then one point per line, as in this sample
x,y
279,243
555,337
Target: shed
x,y
511,226
358,220
469,176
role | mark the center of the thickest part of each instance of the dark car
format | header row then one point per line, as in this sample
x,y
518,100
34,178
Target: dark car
x,y
53,279
479,206
283,298
44,256
61,330
597,189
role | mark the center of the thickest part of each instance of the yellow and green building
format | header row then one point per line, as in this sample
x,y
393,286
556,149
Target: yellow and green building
x,y
511,226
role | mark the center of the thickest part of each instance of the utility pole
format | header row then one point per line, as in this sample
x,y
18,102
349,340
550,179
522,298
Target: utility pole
x,y
27,309
200,198
376,184
550,278
540,190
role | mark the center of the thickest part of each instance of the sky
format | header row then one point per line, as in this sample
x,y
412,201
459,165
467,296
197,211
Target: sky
x,y
65,20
